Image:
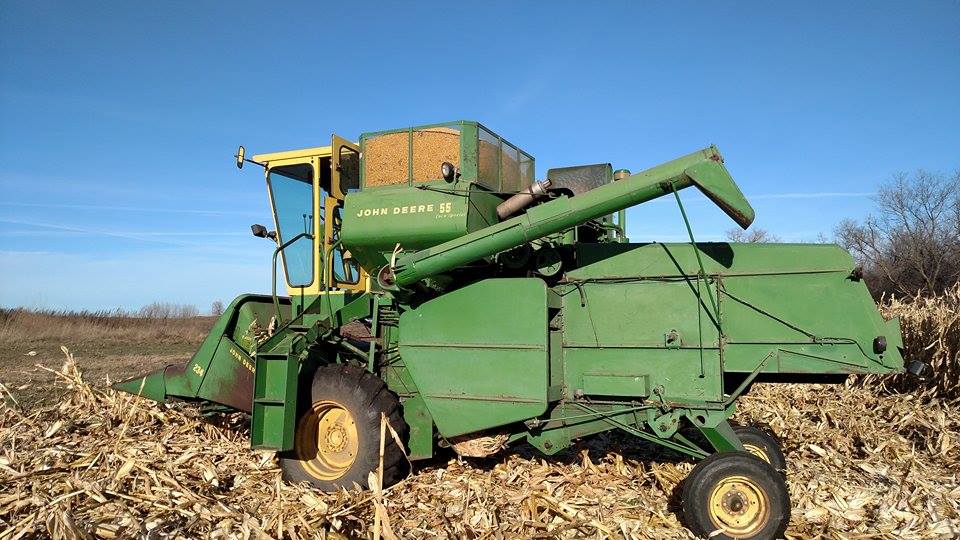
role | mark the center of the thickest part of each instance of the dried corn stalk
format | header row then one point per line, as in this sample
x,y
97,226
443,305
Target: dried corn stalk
x,y
931,334
479,445
862,463
259,334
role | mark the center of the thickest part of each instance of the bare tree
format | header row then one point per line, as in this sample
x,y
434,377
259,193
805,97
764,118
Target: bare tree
x,y
216,308
912,243
168,310
753,236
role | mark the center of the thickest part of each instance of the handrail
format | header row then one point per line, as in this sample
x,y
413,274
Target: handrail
x,y
328,275
276,252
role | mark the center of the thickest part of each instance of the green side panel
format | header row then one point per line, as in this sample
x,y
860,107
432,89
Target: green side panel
x,y
595,383
795,303
479,354
638,315
719,258
685,375
788,309
274,402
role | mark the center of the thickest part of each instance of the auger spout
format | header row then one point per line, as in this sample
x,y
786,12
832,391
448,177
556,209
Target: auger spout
x,y
703,169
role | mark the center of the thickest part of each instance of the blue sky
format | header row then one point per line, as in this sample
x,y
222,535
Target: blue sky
x,y
120,118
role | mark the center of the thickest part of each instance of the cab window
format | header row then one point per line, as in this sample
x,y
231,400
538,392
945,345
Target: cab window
x,y
291,190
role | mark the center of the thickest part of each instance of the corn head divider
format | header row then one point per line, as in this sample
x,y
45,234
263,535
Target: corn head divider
x,y
432,280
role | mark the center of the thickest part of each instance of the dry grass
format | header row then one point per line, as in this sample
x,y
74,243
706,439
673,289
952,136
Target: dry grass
x,y
112,343
20,325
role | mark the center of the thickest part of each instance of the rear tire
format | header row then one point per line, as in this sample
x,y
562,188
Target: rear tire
x,y
763,445
337,437
735,495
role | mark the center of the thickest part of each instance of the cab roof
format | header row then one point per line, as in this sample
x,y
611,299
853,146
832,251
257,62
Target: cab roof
x,y
322,151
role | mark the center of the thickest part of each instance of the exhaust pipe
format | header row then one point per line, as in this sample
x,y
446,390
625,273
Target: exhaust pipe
x,y
523,199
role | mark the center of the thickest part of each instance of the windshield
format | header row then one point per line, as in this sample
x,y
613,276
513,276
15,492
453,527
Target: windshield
x,y
291,189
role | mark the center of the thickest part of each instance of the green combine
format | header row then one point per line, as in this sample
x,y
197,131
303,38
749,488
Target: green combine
x,y
433,282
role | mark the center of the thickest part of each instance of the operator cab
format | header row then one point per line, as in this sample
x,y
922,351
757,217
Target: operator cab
x,y
307,188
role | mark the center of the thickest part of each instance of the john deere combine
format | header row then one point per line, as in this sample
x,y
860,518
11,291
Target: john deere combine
x,y
433,281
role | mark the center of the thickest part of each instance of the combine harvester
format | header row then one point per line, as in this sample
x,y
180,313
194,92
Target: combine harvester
x,y
432,280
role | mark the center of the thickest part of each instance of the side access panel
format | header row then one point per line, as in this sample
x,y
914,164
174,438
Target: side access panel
x,y
624,340
479,355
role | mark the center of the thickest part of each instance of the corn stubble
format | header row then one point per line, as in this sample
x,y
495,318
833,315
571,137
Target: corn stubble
x,y
870,459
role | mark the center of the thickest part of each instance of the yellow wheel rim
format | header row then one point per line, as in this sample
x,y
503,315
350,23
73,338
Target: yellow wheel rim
x,y
739,507
326,441
757,451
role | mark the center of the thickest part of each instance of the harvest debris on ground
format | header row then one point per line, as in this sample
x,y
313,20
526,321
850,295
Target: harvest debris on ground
x,y
863,461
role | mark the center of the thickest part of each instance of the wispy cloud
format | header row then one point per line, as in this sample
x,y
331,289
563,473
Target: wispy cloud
x,y
26,232
780,196
814,195
133,209
98,232
151,237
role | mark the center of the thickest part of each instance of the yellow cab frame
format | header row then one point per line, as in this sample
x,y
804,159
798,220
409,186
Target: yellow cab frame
x,y
333,189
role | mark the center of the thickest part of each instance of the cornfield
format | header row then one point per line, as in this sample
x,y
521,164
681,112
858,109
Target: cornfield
x,y
931,333
875,458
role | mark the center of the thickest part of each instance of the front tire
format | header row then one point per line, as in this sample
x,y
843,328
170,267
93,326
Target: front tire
x,y
337,436
735,495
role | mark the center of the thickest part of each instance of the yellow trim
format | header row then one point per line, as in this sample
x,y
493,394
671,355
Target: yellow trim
x,y
739,507
303,154
757,451
336,143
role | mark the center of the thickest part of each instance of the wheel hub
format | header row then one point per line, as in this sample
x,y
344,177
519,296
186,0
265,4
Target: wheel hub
x,y
336,439
739,506
735,502
326,441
